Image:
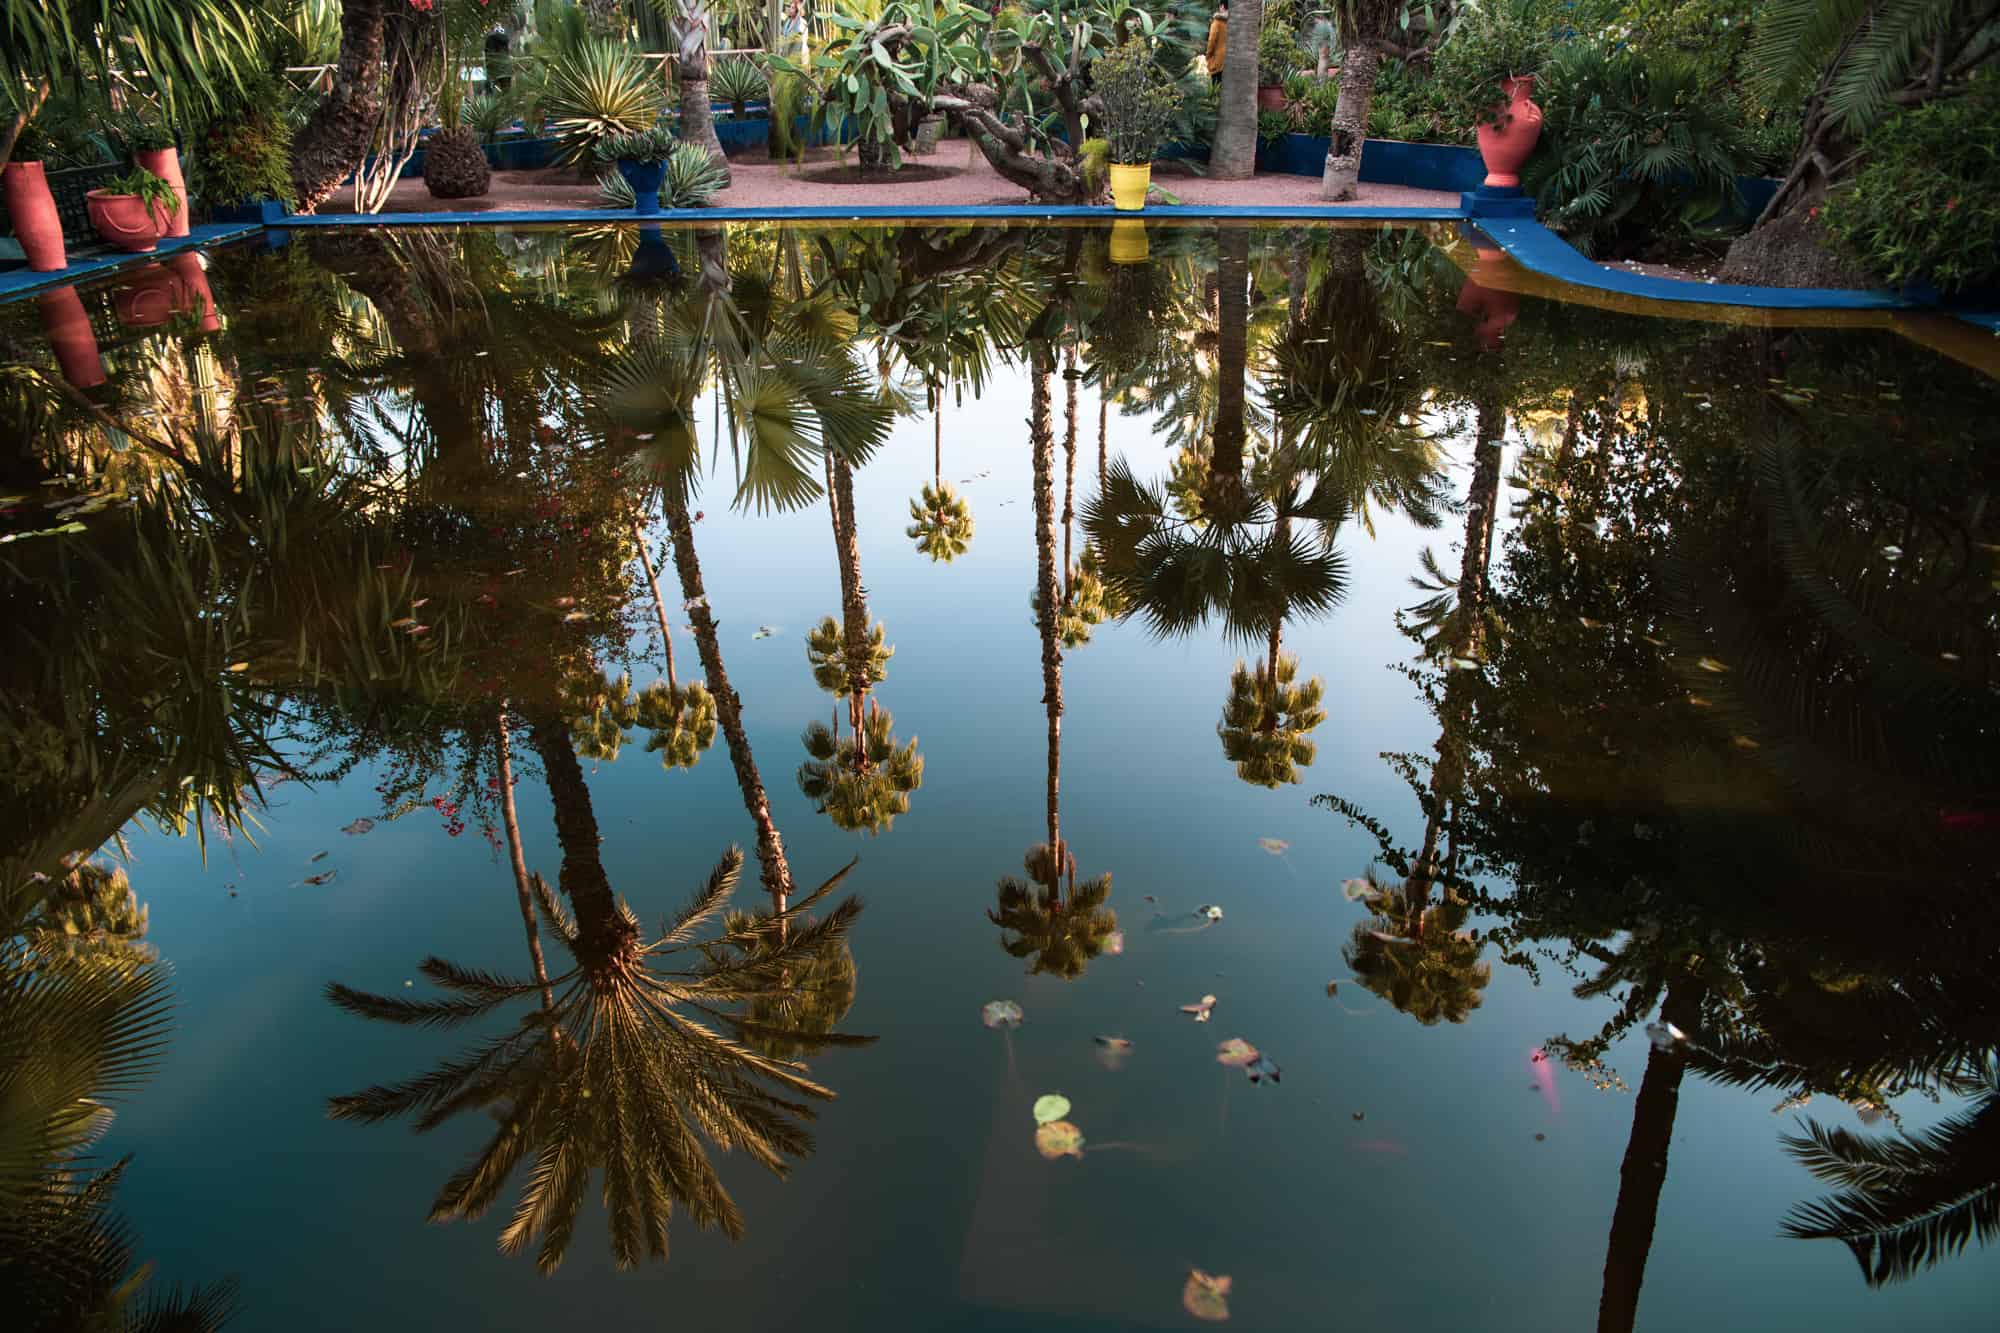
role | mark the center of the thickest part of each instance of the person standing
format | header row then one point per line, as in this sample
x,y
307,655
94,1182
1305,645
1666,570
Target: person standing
x,y
1218,39
795,33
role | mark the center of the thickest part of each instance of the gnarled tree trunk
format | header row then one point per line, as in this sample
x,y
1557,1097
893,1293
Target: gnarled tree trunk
x,y
335,140
1234,156
1342,178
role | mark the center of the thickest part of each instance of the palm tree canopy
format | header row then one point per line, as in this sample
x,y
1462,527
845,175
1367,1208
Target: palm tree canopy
x,y
826,651
1419,958
1265,721
639,1063
680,722
1059,934
862,780
941,523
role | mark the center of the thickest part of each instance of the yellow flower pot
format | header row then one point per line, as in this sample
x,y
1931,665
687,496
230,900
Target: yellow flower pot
x,y
1128,242
1128,186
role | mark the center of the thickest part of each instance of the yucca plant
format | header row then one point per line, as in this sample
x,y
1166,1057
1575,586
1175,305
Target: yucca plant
x,y
489,113
600,90
739,82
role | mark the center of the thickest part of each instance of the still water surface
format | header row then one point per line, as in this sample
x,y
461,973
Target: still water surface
x,y
1633,672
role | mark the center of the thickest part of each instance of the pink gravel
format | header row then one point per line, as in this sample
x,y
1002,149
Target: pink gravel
x,y
762,183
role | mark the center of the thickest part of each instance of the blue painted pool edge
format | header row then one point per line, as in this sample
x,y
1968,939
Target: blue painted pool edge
x,y
17,283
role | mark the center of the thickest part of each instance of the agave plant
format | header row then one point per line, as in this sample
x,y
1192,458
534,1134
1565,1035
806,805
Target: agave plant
x,y
599,90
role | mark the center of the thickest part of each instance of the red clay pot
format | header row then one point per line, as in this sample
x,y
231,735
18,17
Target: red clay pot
x,y
1271,97
25,187
125,221
1505,146
191,280
148,298
166,164
1492,309
68,328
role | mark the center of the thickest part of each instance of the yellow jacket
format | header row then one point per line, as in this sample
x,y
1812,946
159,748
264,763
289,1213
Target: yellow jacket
x,y
1218,43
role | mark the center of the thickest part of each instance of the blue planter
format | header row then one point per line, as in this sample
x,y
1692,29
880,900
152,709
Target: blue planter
x,y
645,178
750,132
652,258
262,211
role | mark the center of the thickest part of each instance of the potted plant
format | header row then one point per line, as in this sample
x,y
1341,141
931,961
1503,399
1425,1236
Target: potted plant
x,y
1139,103
240,166
737,81
154,151
641,158
1279,57
25,187
1489,68
132,211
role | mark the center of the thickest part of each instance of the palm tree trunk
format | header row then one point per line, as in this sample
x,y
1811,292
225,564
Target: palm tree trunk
x,y
1232,306
1482,505
1234,156
1360,63
511,821
334,142
776,873
853,604
697,120
601,929
1643,1173
659,607
1103,436
1041,440
937,439
1069,471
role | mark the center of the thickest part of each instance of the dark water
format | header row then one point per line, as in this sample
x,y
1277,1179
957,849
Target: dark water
x,y
1693,722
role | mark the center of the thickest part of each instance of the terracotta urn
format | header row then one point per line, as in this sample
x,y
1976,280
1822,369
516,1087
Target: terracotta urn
x,y
68,330
25,186
166,164
192,291
125,221
1491,309
148,298
1505,144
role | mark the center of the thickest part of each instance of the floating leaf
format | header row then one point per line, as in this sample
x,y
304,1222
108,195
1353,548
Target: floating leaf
x,y
1275,846
323,877
1050,1106
321,857
1059,1138
1112,1052
1200,1009
1001,1014
1206,1297
359,826
1263,1069
1235,1053
1211,912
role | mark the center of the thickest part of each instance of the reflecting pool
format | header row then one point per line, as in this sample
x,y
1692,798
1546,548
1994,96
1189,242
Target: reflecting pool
x,y
989,777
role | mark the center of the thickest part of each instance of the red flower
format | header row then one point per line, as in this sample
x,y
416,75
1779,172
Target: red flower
x,y
1950,204
1812,212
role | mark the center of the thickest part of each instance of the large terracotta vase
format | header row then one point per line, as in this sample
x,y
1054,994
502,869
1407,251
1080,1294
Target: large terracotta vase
x,y
166,164
25,186
1490,308
1506,144
68,329
192,291
148,298
125,221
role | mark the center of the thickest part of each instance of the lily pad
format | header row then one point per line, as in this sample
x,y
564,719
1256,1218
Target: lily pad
x,y
1235,1053
359,826
1059,1138
1001,1014
1050,1106
1206,1297
1263,1069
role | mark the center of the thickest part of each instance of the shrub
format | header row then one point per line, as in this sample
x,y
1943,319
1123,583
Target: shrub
x,y
1272,127
654,145
1139,103
1926,205
692,180
1279,55
246,152
1633,147
488,114
1410,103
1504,40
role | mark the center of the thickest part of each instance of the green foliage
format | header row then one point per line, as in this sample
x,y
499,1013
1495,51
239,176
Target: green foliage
x,y
863,780
885,63
599,90
1633,147
1410,103
1500,41
1926,204
680,722
738,81
651,145
1265,722
1272,127
245,152
1139,102
1059,934
1864,52
157,194
693,179
488,114
196,52
1279,55
941,523
792,96
826,652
